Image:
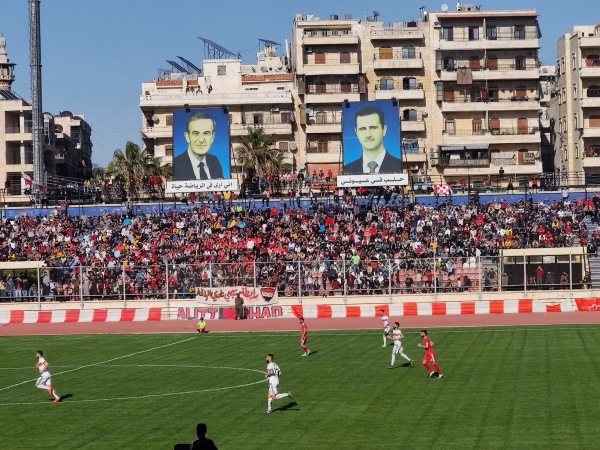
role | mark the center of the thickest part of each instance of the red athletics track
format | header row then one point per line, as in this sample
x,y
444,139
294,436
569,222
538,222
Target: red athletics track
x,y
187,326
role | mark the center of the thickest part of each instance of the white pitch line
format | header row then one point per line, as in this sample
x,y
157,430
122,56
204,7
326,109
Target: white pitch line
x,y
101,362
167,394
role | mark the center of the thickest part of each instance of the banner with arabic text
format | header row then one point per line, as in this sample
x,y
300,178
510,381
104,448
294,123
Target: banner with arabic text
x,y
225,296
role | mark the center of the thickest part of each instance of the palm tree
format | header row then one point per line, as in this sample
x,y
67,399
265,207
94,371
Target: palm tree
x,y
256,153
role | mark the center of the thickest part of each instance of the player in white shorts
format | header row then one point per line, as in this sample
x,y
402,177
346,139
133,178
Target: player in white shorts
x,y
385,320
273,374
397,337
45,379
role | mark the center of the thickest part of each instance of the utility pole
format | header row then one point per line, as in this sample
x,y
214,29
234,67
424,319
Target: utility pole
x,y
37,129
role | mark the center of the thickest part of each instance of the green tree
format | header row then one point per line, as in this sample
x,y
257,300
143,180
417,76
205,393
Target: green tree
x,y
256,153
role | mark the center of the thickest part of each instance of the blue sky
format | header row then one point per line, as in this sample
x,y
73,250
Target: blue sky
x,y
96,53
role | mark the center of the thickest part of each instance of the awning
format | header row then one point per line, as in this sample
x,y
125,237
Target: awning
x,y
459,148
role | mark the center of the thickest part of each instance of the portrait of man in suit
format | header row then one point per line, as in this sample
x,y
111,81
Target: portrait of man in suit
x,y
197,163
370,129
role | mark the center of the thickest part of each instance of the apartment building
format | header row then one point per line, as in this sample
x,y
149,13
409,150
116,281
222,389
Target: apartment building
x,y
485,103
16,141
257,95
575,107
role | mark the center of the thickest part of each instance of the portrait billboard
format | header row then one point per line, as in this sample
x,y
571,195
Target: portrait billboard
x,y
201,151
372,151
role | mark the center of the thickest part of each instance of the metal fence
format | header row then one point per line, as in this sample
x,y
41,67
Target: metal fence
x,y
354,276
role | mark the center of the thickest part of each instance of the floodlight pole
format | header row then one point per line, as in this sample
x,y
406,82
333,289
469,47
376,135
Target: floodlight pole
x,y
37,129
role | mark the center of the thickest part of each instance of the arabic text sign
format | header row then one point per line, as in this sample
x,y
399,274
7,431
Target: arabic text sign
x,y
227,184
226,296
376,179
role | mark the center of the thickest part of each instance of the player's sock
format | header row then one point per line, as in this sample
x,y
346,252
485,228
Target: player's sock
x,y
384,340
305,348
270,404
282,395
437,368
393,359
55,394
405,357
426,365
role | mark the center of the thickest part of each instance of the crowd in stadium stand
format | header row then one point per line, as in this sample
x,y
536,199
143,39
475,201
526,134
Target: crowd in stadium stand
x,y
329,248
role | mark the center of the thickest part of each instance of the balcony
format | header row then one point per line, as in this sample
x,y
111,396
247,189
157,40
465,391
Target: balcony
x,y
329,154
174,98
157,132
332,93
503,72
399,94
397,33
465,103
593,161
239,129
413,154
503,40
327,127
590,42
331,68
329,37
398,59
448,162
591,132
590,68
412,125
590,102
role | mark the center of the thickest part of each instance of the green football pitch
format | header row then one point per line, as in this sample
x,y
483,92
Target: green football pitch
x,y
525,387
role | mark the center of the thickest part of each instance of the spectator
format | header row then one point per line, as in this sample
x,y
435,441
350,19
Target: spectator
x,y
203,443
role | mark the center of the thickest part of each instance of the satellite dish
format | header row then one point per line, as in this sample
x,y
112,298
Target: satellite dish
x,y
264,69
424,112
444,7
293,147
155,118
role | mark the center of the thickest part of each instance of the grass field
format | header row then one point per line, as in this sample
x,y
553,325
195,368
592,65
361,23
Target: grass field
x,y
527,387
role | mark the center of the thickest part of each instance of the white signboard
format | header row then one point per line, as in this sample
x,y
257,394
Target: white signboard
x,y
226,184
376,179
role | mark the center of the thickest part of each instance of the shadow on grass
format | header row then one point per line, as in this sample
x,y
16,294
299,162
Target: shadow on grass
x,y
289,407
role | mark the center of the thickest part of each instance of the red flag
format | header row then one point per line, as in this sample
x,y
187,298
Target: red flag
x,y
28,179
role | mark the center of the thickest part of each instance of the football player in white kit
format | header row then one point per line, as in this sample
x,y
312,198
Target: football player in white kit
x,y
397,337
45,379
273,373
385,320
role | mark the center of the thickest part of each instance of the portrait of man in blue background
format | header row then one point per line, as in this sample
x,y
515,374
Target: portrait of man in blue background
x,y
201,144
371,137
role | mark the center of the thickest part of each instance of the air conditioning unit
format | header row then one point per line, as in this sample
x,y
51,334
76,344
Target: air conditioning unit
x,y
413,167
435,161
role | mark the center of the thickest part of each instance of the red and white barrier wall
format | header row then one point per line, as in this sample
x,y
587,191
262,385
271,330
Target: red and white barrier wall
x,y
524,306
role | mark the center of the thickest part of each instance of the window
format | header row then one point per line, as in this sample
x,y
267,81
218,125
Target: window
x,y
284,146
409,83
410,147
321,87
286,117
409,53
221,69
386,84
491,33
593,91
322,147
320,58
492,63
595,121
474,63
409,115
450,126
520,63
13,155
321,117
386,53
519,32
346,86
169,120
473,33
521,91
345,58
522,126
448,94
29,154
494,126
477,126
447,33
449,63
257,119
575,90
169,150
